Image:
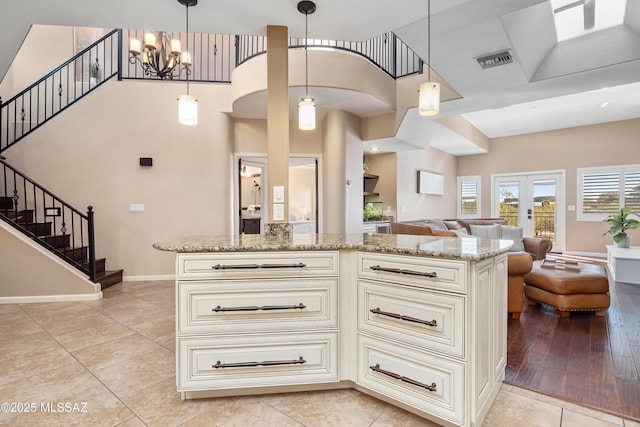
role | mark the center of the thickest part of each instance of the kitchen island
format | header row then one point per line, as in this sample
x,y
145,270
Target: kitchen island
x,y
418,321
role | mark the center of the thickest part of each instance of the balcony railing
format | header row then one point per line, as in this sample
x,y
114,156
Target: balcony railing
x,y
386,51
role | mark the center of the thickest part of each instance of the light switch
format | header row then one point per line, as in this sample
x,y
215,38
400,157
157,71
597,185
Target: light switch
x,y
278,194
136,207
278,212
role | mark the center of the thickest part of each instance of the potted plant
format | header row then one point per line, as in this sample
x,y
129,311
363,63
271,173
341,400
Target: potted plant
x,y
619,223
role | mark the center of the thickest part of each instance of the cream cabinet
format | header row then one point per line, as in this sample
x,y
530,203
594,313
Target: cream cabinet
x,y
425,333
432,333
247,320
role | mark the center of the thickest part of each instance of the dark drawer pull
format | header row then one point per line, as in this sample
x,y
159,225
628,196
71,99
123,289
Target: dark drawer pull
x,y
256,266
300,306
376,310
401,271
377,368
299,361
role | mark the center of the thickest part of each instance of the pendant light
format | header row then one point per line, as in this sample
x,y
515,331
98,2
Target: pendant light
x,y
188,104
307,105
429,100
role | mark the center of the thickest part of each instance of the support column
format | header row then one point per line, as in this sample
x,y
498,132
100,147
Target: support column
x,y
278,124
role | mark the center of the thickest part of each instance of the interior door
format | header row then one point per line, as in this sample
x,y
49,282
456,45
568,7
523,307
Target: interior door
x,y
534,202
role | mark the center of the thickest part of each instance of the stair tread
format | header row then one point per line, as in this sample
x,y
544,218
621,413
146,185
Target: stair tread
x,y
109,278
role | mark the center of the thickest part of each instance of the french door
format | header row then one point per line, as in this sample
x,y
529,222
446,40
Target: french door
x,y
534,202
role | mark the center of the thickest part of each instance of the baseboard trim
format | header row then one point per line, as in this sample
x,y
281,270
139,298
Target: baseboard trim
x,y
148,278
50,298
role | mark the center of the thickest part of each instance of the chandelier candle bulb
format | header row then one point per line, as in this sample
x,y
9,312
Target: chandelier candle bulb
x,y
135,47
186,58
149,41
176,48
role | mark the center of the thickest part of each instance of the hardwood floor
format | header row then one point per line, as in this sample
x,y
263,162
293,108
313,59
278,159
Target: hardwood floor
x,y
590,360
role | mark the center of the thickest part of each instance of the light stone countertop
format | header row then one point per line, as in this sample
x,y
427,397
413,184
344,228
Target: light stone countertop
x,y
468,248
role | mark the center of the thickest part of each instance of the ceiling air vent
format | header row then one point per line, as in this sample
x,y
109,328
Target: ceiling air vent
x,y
495,59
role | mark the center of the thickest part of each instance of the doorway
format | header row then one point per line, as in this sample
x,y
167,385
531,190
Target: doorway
x,y
533,201
252,198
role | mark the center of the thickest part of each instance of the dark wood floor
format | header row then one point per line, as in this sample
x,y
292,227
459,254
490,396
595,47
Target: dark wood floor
x,y
590,360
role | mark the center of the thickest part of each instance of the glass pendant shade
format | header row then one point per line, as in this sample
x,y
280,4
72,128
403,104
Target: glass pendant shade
x,y
429,101
307,114
188,110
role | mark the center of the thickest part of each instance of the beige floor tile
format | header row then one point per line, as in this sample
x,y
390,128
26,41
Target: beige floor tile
x,y
593,413
137,371
238,411
17,366
9,308
56,384
132,422
116,351
63,323
510,408
88,337
160,404
396,417
327,408
135,311
168,342
48,308
576,419
157,328
15,329
93,407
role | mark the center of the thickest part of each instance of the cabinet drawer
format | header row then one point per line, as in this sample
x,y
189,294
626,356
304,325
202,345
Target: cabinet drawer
x,y
450,275
268,360
230,306
418,317
382,364
256,264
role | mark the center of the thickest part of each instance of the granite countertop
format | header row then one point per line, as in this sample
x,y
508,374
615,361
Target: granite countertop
x,y
442,247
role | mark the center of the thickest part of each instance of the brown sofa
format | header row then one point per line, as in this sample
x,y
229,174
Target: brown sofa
x,y
518,263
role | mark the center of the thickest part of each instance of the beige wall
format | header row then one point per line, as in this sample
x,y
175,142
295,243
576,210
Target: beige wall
x,y
415,205
53,46
89,156
606,144
29,271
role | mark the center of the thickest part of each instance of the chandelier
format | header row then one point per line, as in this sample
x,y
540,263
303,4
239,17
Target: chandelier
x,y
160,55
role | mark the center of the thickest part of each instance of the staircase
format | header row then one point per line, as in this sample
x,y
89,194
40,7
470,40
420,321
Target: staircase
x,y
51,233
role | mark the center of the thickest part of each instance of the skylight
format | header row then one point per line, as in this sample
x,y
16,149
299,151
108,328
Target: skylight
x,y
575,18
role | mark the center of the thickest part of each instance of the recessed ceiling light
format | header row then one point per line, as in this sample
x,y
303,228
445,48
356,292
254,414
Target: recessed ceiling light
x,y
604,104
375,148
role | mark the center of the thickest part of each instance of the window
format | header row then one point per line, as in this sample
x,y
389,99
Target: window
x,y
575,18
468,197
603,191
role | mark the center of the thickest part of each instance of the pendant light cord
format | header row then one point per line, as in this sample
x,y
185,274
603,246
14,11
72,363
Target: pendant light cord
x,y
187,6
306,53
429,39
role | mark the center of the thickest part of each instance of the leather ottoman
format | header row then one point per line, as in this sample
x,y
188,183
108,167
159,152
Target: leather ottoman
x,y
569,290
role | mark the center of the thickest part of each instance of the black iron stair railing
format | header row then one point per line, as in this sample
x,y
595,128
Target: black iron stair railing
x,y
48,220
59,89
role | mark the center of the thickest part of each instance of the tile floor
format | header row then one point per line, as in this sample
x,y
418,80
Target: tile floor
x,y
112,363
